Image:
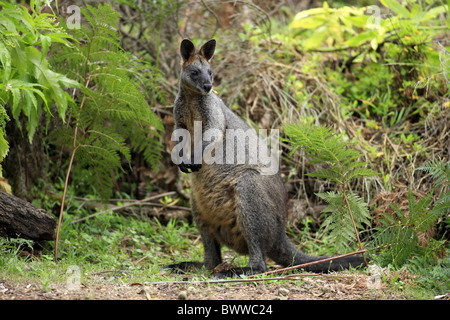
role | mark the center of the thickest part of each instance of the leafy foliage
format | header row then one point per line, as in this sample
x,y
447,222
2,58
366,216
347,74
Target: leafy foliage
x,y
348,210
435,277
398,233
29,83
391,54
111,110
324,146
439,169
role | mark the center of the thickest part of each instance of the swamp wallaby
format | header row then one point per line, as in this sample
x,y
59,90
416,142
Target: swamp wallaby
x,y
235,204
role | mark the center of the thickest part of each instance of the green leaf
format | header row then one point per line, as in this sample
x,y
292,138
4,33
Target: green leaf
x,y
338,224
4,147
396,7
309,22
5,59
306,13
315,40
15,105
361,39
358,21
46,42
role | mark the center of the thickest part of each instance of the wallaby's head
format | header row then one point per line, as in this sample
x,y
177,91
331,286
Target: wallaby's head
x,y
196,73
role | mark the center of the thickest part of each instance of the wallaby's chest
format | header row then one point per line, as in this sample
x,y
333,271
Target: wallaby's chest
x,y
203,109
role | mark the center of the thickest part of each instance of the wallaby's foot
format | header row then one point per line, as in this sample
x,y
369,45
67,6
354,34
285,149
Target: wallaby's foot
x,y
233,272
184,167
182,267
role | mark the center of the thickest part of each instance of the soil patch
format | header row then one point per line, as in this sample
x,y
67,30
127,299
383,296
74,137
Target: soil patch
x,y
326,287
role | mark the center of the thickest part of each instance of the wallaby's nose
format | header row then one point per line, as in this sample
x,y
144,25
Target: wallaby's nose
x,y
207,87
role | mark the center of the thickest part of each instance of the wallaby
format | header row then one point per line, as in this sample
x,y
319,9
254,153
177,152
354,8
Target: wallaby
x,y
235,204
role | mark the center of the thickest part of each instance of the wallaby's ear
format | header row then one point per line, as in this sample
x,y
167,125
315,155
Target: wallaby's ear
x,y
207,50
187,49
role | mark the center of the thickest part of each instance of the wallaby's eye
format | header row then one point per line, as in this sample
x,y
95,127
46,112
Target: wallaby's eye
x,y
194,72
210,72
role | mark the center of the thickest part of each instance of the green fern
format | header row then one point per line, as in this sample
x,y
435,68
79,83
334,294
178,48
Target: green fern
x,y
439,169
347,211
339,223
323,145
398,234
115,118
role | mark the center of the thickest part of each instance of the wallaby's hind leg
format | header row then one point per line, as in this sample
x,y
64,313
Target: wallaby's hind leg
x,y
256,263
256,209
212,255
211,259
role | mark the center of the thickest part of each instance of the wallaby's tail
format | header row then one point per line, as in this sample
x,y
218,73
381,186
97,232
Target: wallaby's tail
x,y
285,254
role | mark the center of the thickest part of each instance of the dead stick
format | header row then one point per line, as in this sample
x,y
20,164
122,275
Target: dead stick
x,y
75,147
312,263
354,224
126,205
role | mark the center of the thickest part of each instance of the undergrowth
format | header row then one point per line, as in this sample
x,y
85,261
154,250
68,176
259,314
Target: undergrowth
x,y
381,92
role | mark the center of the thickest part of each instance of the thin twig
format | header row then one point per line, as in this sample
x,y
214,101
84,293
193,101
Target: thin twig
x,y
126,205
354,225
75,147
215,16
313,263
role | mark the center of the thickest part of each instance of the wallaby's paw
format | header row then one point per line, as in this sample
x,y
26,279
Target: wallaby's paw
x,y
184,167
195,167
235,272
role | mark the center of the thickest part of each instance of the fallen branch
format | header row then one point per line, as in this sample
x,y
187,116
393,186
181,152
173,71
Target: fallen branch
x,y
19,218
66,183
135,203
312,263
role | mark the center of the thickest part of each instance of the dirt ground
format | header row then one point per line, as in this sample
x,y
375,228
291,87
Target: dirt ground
x,y
324,287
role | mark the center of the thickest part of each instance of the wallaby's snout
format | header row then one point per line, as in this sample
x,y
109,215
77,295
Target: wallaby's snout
x,y
207,87
196,73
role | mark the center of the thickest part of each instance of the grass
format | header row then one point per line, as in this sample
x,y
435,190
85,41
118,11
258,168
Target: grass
x,y
122,249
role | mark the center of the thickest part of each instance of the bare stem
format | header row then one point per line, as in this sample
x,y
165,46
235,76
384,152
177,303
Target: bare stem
x,y
314,262
74,150
354,224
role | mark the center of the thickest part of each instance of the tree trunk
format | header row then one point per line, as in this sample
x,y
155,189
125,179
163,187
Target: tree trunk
x,y
20,219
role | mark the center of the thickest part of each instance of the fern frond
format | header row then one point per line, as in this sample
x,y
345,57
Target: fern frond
x,y
338,223
359,173
439,169
324,146
333,174
399,233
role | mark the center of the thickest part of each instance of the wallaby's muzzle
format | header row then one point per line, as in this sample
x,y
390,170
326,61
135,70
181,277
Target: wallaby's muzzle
x,y
207,87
